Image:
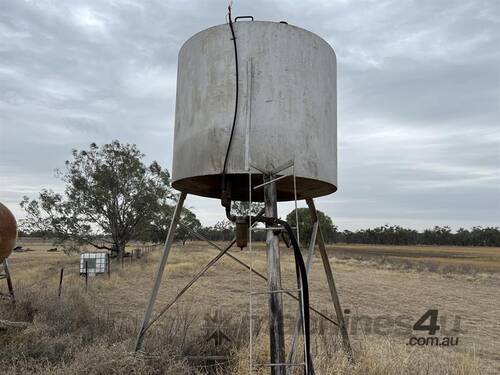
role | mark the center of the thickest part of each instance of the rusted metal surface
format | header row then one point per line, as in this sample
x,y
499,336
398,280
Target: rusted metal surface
x,y
290,109
241,233
8,232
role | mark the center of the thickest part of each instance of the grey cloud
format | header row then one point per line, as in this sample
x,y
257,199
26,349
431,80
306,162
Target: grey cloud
x,y
418,96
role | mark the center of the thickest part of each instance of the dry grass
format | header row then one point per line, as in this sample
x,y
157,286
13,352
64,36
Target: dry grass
x,y
94,332
458,259
78,335
377,356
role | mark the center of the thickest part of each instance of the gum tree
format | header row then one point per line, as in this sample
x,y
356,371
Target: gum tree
x,y
109,194
328,229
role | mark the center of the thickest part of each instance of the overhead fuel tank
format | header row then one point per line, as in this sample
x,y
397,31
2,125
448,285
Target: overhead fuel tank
x,y
287,110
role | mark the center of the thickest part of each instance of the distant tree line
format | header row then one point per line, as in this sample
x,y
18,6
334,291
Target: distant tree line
x,y
383,235
396,235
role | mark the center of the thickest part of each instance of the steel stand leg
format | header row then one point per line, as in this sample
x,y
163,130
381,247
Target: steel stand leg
x,y
331,282
9,281
159,273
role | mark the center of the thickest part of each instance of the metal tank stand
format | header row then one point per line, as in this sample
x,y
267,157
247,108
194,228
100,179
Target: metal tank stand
x,y
274,283
6,275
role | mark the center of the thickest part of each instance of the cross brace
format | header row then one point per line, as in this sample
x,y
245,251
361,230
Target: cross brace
x,y
148,322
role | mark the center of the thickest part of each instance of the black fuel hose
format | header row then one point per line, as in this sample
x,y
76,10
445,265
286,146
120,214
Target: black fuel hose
x,y
235,101
301,278
302,275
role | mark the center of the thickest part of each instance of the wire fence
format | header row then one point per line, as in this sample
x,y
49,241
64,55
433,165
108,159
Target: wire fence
x,y
91,264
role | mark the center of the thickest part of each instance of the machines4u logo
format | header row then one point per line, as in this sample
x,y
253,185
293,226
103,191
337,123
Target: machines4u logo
x,y
214,323
429,323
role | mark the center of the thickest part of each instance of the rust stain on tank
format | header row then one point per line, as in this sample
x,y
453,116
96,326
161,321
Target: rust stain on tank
x,y
8,232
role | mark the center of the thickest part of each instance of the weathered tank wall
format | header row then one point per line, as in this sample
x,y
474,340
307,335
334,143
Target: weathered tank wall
x,y
8,232
291,109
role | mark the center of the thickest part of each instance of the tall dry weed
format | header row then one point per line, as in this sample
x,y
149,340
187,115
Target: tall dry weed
x,y
78,335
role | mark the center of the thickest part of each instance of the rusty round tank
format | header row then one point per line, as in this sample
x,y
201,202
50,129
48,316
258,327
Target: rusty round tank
x,y
8,232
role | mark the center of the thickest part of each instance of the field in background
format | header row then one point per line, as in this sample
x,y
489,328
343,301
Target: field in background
x,y
458,259
374,282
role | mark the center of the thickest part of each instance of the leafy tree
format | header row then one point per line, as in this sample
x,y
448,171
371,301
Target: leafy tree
x,y
190,220
156,229
488,236
241,208
437,236
463,237
221,231
109,192
306,225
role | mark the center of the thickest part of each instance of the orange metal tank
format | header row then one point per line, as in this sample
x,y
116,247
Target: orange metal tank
x,y
8,232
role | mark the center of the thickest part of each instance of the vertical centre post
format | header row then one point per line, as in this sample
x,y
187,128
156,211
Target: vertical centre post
x,y
276,331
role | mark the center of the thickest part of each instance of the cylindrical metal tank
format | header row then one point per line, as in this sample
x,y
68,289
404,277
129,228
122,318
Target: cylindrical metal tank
x,y
287,106
8,232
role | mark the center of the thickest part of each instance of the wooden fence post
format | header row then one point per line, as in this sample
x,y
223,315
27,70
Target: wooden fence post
x,y
109,266
60,282
86,275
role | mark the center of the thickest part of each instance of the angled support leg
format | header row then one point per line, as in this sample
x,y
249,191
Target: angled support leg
x,y
159,273
193,280
331,282
9,281
298,319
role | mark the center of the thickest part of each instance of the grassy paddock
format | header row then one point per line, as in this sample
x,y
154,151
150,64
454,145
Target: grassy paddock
x,y
457,259
94,332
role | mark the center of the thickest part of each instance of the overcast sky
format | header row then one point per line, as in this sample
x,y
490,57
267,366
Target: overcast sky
x,y
418,92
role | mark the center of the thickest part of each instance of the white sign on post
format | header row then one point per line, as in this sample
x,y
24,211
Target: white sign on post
x,y
93,263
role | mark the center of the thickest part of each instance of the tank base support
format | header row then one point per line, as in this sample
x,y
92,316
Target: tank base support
x,y
147,322
6,275
159,273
